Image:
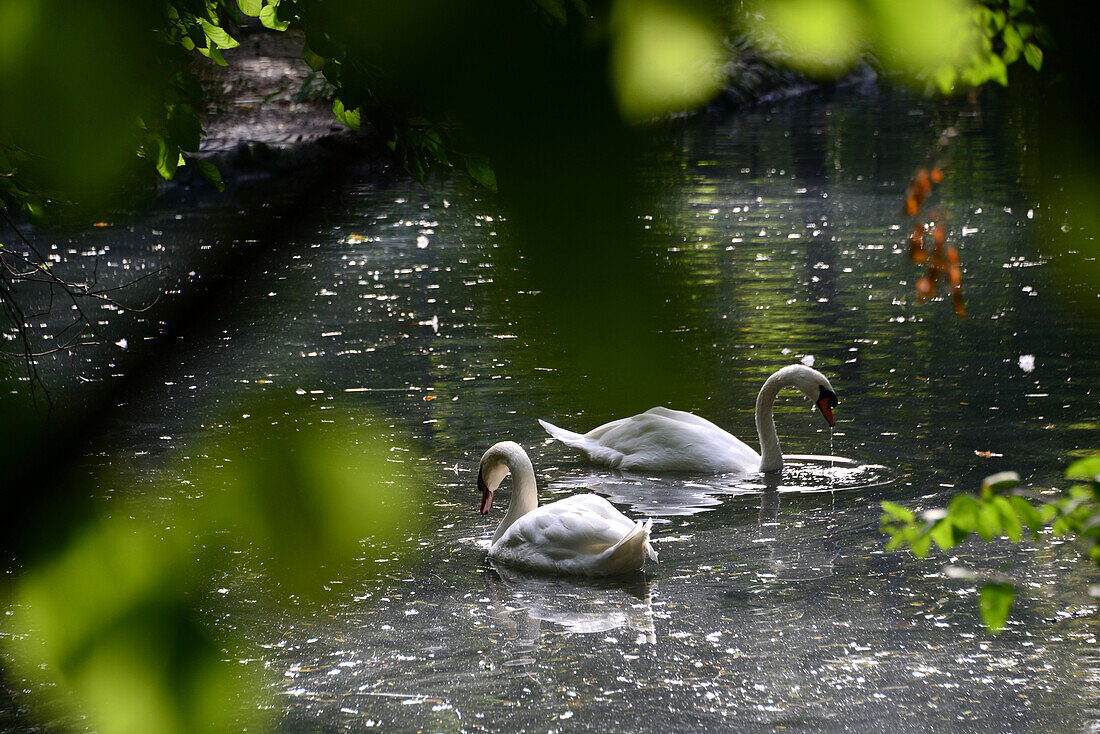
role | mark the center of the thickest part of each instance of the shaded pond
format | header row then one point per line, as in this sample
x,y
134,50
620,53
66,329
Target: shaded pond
x,y
774,604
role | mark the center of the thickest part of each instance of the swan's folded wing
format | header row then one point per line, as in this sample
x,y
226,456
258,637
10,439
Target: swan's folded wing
x,y
680,416
671,440
567,529
583,534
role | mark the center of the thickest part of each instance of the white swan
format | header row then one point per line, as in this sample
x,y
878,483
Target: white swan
x,y
672,440
582,535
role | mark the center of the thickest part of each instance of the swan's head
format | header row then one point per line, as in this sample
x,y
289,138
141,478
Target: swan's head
x,y
495,465
816,387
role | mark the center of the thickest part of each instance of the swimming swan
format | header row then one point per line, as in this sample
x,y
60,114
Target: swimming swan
x,y
672,440
582,535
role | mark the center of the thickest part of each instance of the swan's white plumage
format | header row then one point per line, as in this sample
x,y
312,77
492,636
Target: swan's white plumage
x,y
672,440
580,535
662,440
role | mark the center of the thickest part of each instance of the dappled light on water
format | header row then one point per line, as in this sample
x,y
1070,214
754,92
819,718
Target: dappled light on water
x,y
405,337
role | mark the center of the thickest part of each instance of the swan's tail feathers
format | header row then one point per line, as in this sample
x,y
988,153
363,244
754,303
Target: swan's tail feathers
x,y
630,552
585,446
652,554
570,439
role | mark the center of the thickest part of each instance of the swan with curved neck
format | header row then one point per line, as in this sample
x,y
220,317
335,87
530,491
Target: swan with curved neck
x,y
672,440
581,535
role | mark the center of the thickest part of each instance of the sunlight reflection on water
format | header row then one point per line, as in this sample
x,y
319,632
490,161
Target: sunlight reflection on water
x,y
774,603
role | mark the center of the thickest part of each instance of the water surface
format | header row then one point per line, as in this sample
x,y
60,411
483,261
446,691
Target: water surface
x,y
774,604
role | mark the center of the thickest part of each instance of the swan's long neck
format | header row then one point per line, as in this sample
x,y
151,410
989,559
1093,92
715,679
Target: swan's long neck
x,y
524,492
771,457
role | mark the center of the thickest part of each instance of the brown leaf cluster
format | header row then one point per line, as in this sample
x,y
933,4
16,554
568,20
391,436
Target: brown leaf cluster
x,y
928,242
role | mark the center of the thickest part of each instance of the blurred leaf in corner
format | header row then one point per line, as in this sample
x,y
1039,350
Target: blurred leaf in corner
x,y
73,78
112,630
107,633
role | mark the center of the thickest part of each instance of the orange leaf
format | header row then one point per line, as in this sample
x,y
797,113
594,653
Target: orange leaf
x,y
960,306
917,253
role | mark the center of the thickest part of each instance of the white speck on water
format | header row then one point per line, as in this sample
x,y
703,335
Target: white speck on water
x,y
122,343
422,242
566,715
1027,362
808,360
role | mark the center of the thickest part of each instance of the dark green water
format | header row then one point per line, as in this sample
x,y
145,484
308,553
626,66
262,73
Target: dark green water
x,y
774,604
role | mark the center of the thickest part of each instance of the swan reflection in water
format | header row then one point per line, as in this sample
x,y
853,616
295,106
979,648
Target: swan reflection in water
x,y
802,552
522,602
664,496
801,543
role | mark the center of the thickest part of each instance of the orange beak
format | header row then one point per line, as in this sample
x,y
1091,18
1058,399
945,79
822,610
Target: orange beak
x,y
826,401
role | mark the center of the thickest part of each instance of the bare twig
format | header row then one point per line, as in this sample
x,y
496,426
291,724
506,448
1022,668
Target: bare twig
x,y
31,269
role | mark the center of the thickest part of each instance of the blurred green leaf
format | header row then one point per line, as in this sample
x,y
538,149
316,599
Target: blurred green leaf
x,y
184,127
482,171
964,512
250,7
1034,56
108,630
1001,481
989,522
1087,468
945,78
944,534
111,631
918,39
1009,520
1013,42
921,544
349,118
167,158
270,19
1026,512
995,603
666,57
210,172
818,37
313,59
898,512
217,35
214,55
302,496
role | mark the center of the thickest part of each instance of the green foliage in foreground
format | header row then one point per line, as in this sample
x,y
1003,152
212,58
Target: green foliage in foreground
x,y
1003,509
112,632
443,83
